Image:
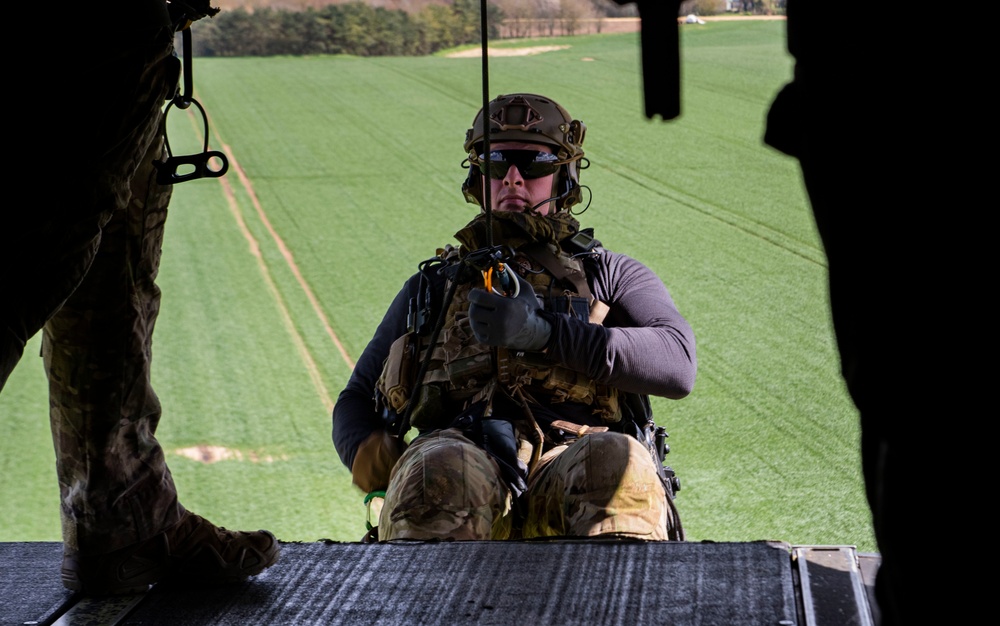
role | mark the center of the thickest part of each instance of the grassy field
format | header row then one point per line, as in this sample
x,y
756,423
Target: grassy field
x,y
346,174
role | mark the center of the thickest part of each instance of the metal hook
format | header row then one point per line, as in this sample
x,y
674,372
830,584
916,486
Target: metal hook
x,y
168,171
196,166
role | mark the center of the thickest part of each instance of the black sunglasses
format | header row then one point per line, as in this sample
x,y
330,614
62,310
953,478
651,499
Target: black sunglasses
x,y
531,163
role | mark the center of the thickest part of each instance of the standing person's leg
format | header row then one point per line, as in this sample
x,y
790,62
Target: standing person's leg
x,y
601,484
116,489
82,149
123,526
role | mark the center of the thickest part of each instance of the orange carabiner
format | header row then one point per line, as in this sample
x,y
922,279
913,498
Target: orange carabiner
x,y
506,278
488,278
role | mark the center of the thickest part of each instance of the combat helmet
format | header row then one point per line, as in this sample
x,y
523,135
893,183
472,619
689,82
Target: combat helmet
x,y
536,119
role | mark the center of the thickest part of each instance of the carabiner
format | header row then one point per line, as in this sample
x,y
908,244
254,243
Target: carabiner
x,y
510,286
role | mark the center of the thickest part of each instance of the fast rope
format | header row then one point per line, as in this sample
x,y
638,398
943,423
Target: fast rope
x,y
488,261
487,188
497,269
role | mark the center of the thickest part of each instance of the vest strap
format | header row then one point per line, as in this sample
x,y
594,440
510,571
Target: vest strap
x,y
543,255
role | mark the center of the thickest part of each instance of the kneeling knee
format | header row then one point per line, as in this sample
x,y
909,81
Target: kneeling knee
x,y
444,487
604,483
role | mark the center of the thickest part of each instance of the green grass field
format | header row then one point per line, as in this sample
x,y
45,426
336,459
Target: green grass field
x,y
354,169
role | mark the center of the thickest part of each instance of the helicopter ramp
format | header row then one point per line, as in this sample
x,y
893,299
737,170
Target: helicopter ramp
x,y
532,582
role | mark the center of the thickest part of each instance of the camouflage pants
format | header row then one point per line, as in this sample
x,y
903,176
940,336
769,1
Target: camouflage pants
x,y
98,252
445,487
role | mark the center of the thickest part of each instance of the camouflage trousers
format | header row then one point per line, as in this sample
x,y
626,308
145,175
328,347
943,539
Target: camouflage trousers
x,y
90,279
445,487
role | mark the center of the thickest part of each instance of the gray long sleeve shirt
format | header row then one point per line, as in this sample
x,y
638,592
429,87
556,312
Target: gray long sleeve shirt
x,y
645,345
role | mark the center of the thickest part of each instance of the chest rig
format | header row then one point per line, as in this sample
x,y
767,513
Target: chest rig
x,y
548,253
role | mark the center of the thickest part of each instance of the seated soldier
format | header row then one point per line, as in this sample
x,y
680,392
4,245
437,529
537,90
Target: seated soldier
x,y
538,348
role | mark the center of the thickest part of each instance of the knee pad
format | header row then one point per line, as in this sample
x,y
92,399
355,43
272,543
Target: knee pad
x,y
603,484
444,487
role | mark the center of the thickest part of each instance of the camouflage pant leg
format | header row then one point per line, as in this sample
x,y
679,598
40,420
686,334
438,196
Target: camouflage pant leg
x,y
114,484
49,270
84,154
445,487
601,484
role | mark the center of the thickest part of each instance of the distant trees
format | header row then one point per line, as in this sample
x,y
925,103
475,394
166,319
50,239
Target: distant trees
x,y
449,26
748,7
390,27
412,27
351,28
535,18
705,7
519,15
532,18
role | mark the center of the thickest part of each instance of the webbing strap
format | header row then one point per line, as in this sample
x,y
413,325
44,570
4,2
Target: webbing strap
x,y
543,255
578,429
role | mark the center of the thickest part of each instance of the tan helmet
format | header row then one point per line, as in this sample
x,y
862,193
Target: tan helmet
x,y
535,119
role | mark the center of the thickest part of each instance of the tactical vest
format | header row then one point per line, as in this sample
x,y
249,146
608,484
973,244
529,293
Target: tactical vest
x,y
463,371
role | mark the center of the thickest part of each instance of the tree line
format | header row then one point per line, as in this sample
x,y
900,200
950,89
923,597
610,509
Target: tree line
x,y
417,27
353,28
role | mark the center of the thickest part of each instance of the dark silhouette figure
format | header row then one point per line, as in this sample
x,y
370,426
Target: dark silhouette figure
x,y
867,116
863,115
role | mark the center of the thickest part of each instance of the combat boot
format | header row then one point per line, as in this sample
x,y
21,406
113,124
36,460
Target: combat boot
x,y
194,550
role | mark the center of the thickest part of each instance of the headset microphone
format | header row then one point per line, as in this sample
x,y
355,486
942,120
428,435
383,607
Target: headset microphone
x,y
569,188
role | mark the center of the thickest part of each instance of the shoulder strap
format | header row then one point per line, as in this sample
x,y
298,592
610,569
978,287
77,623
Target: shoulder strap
x,y
543,255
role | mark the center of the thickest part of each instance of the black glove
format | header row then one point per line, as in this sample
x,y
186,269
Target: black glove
x,y
513,323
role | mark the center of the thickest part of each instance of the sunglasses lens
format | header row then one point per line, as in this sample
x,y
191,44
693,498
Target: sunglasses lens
x,y
531,163
498,169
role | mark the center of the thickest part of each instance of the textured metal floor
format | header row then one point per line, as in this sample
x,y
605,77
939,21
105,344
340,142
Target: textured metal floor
x,y
565,582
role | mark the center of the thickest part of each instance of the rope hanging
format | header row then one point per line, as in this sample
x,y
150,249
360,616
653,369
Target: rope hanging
x,y
487,188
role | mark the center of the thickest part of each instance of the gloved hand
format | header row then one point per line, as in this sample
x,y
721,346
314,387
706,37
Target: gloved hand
x,y
513,323
374,460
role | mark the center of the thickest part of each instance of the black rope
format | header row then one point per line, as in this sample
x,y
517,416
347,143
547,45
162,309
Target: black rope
x,y
404,424
487,185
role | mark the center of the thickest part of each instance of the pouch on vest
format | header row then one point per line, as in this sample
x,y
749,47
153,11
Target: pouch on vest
x,y
470,373
609,406
398,372
428,412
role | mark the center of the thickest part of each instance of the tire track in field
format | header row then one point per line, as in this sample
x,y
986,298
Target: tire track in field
x,y
304,353
808,429
286,317
287,255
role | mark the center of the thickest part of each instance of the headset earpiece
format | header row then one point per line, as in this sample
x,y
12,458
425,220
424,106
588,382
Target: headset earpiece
x,y
472,188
